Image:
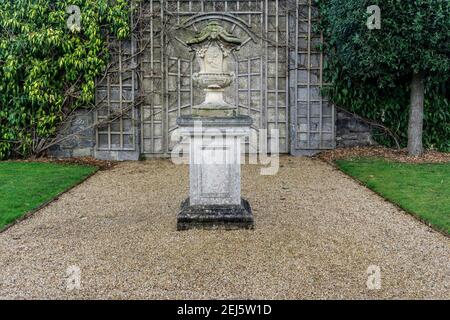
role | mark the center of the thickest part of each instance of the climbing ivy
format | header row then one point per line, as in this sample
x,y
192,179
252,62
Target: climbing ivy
x,y
47,68
369,71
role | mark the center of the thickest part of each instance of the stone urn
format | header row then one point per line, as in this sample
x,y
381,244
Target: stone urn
x,y
213,47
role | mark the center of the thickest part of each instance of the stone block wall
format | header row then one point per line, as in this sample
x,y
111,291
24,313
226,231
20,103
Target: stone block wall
x,y
351,131
80,141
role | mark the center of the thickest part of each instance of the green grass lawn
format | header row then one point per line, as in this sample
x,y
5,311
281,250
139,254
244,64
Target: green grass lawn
x,y
421,189
24,186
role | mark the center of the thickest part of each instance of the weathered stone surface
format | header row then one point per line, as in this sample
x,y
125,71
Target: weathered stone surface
x,y
58,152
237,121
213,47
117,155
215,173
214,162
228,217
351,131
82,141
82,152
77,137
215,134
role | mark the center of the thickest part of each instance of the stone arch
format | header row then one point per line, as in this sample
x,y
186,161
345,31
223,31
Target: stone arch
x,y
220,16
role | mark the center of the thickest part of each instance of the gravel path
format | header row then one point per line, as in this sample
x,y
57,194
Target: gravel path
x,y
317,233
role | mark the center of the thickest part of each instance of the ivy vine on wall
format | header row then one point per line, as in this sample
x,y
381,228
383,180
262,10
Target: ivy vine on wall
x,y
48,67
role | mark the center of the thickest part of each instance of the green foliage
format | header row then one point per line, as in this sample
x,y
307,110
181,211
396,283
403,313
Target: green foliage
x,y
421,189
370,70
27,185
45,68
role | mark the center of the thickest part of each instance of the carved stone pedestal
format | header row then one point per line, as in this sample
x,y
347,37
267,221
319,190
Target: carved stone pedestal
x,y
215,134
215,173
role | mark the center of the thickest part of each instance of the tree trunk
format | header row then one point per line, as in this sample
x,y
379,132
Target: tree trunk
x,y
415,127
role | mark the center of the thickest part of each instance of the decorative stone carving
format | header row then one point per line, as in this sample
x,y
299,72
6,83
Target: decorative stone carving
x,y
215,133
213,47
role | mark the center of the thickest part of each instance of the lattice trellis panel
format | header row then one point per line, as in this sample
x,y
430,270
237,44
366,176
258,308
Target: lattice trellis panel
x,y
312,116
261,65
278,74
151,67
115,100
250,93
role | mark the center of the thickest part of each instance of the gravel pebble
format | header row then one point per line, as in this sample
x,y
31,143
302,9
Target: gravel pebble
x,y
317,232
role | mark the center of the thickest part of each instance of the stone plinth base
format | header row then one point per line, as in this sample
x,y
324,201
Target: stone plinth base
x,y
228,217
215,173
